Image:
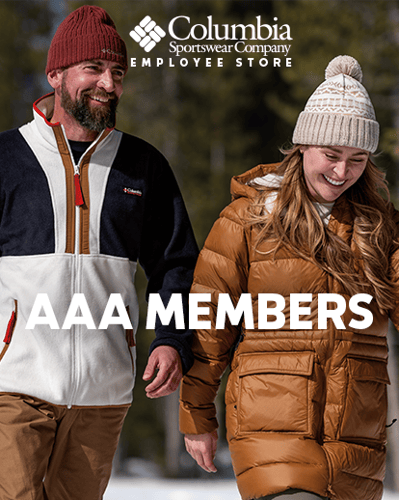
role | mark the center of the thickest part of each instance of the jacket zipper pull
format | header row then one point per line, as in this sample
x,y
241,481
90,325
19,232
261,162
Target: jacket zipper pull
x,y
78,191
10,328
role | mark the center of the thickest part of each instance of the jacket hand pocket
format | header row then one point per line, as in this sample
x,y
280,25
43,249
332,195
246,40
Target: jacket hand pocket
x,y
364,413
9,330
277,391
131,341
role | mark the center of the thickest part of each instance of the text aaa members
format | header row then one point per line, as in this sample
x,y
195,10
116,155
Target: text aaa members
x,y
271,308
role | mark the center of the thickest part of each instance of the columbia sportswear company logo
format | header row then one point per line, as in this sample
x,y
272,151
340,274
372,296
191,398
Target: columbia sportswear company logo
x,y
147,33
212,42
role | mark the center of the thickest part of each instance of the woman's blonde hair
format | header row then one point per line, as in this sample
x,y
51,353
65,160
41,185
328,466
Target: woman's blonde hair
x,y
295,224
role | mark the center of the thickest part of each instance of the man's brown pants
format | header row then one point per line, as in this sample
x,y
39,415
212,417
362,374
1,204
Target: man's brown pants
x,y
49,452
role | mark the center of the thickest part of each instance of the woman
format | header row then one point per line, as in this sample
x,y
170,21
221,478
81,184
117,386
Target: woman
x,y
305,402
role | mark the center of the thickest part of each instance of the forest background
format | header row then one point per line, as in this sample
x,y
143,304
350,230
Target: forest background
x,y
210,122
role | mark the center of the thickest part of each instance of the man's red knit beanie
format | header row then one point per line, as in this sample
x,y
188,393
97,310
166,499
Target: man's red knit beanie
x,y
87,33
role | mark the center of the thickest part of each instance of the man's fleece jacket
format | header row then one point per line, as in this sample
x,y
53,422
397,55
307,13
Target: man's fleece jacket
x,y
132,211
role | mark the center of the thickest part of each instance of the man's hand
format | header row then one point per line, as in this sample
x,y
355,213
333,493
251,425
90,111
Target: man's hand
x,y
202,447
166,360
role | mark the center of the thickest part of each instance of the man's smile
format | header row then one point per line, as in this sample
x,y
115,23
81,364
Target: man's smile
x,y
99,99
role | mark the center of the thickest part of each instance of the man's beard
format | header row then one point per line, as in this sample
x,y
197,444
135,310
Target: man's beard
x,y
90,117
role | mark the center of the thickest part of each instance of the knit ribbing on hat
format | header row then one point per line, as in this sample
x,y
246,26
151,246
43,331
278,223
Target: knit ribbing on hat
x,y
87,33
323,129
339,112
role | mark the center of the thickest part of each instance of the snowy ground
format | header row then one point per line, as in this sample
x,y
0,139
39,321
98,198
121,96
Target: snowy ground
x,y
156,489
163,489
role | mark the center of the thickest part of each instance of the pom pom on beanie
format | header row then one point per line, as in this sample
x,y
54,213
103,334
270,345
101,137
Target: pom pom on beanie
x,y
339,112
346,65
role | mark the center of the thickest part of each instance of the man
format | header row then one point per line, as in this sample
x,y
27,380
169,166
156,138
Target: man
x,y
81,203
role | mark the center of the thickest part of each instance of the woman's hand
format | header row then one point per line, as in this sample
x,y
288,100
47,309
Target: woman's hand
x,y
202,447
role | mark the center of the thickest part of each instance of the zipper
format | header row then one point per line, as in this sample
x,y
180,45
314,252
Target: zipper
x,y
75,329
79,203
9,330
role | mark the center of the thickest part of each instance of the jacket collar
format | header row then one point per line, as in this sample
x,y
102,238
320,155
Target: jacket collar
x,y
43,110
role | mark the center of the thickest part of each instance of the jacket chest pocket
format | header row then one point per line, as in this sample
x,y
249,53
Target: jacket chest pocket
x,y
277,392
364,414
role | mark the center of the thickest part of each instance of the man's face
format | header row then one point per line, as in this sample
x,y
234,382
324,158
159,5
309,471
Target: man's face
x,y
90,92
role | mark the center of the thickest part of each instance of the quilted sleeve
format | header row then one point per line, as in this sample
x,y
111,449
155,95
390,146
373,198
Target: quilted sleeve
x,y
222,267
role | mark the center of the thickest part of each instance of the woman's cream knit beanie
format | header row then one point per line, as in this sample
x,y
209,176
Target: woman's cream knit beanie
x,y
339,112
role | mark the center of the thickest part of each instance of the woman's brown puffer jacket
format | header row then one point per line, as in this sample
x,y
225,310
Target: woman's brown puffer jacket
x,y
305,408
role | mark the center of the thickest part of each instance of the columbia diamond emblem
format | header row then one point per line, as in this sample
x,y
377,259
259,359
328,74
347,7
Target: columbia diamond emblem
x,y
147,33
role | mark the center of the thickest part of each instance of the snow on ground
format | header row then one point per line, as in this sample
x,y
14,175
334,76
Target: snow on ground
x,y
163,489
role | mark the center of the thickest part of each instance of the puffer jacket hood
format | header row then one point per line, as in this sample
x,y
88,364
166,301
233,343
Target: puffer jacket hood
x,y
241,184
305,403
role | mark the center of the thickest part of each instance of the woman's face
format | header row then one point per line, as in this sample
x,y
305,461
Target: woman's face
x,y
331,170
